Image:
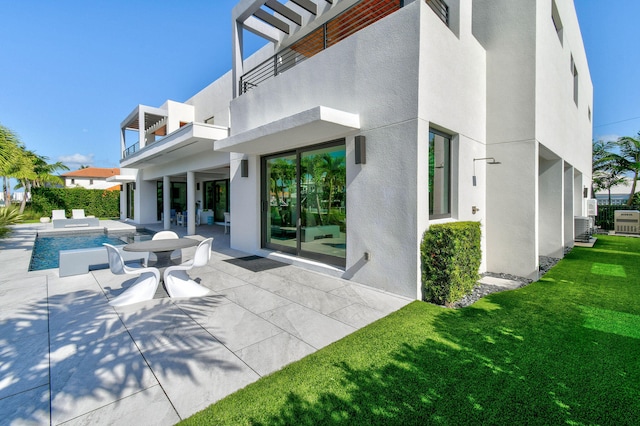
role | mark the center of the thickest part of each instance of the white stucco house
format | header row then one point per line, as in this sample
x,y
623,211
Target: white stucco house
x,y
91,178
361,123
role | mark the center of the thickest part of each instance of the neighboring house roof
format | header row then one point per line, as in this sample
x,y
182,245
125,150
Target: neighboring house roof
x,y
93,172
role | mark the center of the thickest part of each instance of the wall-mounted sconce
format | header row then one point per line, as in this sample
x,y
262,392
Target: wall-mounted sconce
x,y
133,186
361,150
585,193
244,168
198,186
489,160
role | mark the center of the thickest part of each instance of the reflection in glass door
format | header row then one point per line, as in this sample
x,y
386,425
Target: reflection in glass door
x,y
308,184
216,198
280,203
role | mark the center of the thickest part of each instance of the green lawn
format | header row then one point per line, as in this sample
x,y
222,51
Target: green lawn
x,y
563,350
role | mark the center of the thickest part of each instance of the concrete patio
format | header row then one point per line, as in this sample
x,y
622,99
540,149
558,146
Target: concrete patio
x,y
67,357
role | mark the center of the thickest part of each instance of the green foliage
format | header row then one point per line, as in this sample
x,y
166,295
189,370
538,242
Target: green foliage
x,y
96,202
8,216
562,351
451,257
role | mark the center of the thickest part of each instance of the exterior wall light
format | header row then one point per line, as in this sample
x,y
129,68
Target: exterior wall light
x,y
361,151
244,168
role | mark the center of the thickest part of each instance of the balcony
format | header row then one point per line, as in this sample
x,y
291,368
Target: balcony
x,y
334,30
165,134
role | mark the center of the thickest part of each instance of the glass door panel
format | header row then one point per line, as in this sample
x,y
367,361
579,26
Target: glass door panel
x,y
280,192
322,203
221,199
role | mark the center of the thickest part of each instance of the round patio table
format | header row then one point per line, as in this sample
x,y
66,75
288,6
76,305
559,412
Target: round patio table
x,y
162,248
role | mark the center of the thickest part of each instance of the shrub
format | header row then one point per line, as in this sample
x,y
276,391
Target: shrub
x,y
8,216
450,261
96,202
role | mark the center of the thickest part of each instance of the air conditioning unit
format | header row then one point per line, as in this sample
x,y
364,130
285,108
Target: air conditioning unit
x,y
582,229
627,221
592,207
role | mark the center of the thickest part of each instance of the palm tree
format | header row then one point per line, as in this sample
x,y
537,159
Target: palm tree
x,y
11,150
606,170
629,160
34,171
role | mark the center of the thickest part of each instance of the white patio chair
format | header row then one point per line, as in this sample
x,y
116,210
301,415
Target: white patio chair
x,y
177,281
58,214
176,256
227,221
144,288
78,214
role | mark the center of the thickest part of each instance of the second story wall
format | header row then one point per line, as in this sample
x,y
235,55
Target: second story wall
x,y
374,73
211,104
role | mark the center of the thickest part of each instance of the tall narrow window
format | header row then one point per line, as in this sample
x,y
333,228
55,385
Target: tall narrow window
x,y
575,81
557,23
439,174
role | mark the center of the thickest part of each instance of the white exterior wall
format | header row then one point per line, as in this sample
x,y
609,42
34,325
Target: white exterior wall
x,y
530,107
386,73
213,101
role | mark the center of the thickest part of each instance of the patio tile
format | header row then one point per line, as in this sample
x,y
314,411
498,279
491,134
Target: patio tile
x,y
24,364
232,325
216,279
357,315
194,378
23,321
23,292
374,299
308,325
310,297
148,407
254,298
164,325
310,278
26,408
91,374
272,354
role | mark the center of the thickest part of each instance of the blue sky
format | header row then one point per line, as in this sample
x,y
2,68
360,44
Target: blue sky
x,y
73,70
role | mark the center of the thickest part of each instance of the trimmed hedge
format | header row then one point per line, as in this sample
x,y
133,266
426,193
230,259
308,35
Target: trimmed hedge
x,y
96,202
451,258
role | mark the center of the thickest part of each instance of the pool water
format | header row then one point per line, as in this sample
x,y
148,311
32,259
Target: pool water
x,y
46,248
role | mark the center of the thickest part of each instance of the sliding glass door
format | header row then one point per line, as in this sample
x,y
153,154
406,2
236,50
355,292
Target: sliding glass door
x,y
304,202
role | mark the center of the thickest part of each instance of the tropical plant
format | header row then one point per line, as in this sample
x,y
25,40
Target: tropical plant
x,y
36,172
607,171
8,216
10,151
629,160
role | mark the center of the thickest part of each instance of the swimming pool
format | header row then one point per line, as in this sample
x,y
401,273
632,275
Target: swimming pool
x,y
46,248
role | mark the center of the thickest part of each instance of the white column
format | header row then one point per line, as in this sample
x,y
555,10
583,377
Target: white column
x,y
191,203
166,201
141,140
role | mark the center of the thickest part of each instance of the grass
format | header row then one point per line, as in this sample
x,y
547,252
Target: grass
x,y
563,350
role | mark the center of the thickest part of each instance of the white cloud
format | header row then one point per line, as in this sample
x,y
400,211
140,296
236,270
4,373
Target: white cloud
x,y
606,138
74,161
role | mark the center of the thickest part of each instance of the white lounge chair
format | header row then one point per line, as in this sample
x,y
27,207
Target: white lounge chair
x,y
144,288
78,214
58,214
177,281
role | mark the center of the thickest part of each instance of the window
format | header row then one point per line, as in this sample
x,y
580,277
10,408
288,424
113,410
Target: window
x,y
73,181
439,174
574,71
90,181
557,23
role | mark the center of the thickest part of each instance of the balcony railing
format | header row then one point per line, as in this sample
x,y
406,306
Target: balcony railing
x,y
132,149
441,9
359,16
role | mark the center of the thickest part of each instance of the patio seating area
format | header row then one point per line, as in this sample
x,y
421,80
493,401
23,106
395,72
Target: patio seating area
x,y
68,356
